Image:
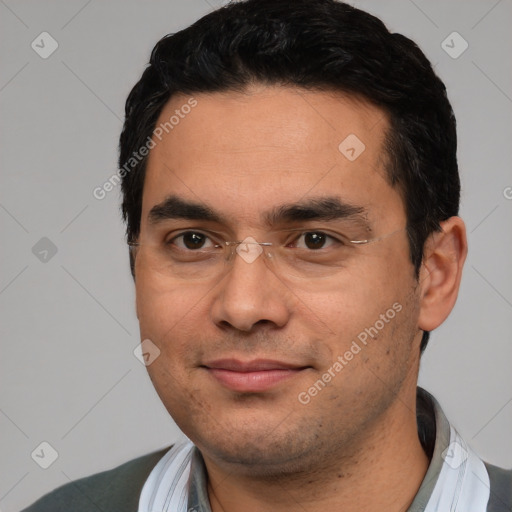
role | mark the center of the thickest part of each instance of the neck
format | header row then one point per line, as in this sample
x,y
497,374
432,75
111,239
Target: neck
x,y
383,471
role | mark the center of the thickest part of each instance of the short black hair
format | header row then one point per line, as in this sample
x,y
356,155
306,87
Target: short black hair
x,y
314,45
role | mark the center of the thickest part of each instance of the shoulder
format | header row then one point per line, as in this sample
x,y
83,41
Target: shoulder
x,y
114,490
500,499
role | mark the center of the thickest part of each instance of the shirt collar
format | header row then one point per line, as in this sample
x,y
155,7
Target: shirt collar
x,y
455,476
456,479
434,434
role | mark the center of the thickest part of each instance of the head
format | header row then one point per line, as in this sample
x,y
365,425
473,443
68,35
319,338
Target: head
x,y
243,114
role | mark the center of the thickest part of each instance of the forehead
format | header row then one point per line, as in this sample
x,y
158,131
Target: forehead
x,y
244,152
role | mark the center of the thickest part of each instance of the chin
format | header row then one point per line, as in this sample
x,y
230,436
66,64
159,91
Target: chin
x,y
255,450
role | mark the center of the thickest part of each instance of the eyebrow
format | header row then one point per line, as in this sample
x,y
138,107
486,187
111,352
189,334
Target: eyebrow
x,y
323,208
174,207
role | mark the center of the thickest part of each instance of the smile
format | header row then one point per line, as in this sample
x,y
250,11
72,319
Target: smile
x,y
252,376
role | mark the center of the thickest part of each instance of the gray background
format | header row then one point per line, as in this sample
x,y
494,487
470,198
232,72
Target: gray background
x,y
68,328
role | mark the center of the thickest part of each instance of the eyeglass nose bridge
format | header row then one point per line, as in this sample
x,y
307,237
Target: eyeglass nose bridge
x,y
249,249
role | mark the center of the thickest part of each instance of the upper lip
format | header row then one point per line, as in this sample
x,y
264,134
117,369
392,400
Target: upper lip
x,y
254,365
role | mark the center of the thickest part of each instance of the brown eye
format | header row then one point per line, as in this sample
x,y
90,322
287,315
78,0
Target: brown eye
x,y
314,240
192,240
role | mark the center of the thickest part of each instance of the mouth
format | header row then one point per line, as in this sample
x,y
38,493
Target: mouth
x,y
252,376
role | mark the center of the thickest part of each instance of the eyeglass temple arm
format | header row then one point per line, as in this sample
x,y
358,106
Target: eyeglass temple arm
x,y
370,240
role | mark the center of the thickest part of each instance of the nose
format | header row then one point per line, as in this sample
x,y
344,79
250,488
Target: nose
x,y
251,294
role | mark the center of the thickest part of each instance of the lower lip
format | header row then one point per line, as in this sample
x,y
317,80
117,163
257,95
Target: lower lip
x,y
247,382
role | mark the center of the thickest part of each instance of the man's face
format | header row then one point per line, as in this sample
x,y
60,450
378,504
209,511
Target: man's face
x,y
247,366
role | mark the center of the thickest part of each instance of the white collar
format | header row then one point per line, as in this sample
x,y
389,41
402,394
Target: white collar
x,y
456,481
463,483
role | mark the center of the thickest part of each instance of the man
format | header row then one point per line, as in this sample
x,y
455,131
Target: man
x,y
291,194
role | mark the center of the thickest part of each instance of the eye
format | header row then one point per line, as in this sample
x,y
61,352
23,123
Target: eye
x,y
192,240
314,240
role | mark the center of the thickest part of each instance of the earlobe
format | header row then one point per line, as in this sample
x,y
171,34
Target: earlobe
x,y
441,271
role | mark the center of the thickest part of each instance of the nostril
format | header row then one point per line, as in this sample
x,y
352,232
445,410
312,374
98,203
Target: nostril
x,y
263,322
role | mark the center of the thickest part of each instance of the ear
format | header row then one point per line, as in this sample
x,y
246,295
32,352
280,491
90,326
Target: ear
x,y
441,271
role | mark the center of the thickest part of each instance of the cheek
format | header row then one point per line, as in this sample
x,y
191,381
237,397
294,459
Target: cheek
x,y
166,309
172,320
355,301
368,307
